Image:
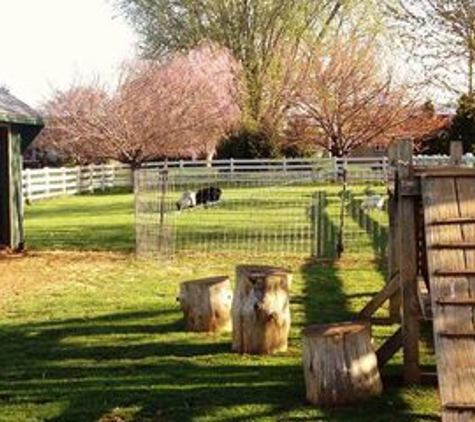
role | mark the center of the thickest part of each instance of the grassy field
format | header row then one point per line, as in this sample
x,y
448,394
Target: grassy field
x,y
90,222
89,333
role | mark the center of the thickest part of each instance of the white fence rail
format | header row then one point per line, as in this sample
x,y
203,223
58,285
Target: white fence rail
x,y
53,182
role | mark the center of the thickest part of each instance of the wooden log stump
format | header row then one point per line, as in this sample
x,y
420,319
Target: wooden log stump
x,y
261,309
206,304
340,364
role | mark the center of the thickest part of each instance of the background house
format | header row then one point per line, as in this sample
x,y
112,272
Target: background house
x,y
423,126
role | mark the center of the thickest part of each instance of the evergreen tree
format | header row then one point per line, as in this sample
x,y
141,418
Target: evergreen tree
x,y
463,126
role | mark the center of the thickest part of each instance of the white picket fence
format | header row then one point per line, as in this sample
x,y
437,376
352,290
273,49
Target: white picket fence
x,y
52,182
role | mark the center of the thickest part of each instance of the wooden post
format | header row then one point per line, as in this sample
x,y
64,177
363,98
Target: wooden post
x,y
28,186
206,304
408,264
323,226
91,178
103,177
340,365
47,181
393,255
261,309
456,153
164,239
393,241
64,179
316,215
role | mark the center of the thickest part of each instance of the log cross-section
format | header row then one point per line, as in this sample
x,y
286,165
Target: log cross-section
x,y
340,365
261,309
206,304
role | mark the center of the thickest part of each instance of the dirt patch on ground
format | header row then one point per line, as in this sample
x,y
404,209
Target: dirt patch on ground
x,y
34,273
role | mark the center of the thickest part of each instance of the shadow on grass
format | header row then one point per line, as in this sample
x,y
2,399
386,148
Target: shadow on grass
x,y
100,367
377,233
167,377
325,301
140,366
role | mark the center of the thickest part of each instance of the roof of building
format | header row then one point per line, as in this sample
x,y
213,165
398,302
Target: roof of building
x,y
13,110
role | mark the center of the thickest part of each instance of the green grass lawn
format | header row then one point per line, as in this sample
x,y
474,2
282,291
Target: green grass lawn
x,y
88,222
91,335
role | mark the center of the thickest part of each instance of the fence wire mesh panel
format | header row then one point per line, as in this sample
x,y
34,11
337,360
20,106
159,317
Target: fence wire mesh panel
x,y
363,220
370,217
255,213
266,212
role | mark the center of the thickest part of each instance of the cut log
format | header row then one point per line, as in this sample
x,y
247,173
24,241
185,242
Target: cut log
x,y
340,365
261,309
206,304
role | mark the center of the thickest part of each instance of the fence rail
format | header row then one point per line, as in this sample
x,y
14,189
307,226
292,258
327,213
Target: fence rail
x,y
53,182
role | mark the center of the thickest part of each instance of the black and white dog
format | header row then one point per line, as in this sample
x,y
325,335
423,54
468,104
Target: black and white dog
x,y
205,196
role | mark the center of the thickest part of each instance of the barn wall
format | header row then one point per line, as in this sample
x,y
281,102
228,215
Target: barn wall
x,y
16,192
5,196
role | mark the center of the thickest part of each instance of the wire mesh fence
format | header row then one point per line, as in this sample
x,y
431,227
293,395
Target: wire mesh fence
x,y
257,212
363,228
373,221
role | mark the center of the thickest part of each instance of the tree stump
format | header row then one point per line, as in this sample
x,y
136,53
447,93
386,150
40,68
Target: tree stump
x,y
261,311
206,304
340,365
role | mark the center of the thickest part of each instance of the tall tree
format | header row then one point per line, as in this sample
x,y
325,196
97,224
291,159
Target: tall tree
x,y
343,100
252,30
343,97
441,34
181,107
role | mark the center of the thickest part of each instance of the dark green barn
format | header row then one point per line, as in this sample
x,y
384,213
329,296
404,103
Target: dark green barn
x,y
19,125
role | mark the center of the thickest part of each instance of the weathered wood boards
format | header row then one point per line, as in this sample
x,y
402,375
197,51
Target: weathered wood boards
x,y
408,268
261,309
340,365
393,257
452,280
206,304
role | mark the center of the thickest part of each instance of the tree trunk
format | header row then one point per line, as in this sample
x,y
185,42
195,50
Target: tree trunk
x,y
209,158
340,365
261,311
471,60
206,304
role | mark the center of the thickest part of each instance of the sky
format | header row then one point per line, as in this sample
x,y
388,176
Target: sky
x,y
48,44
